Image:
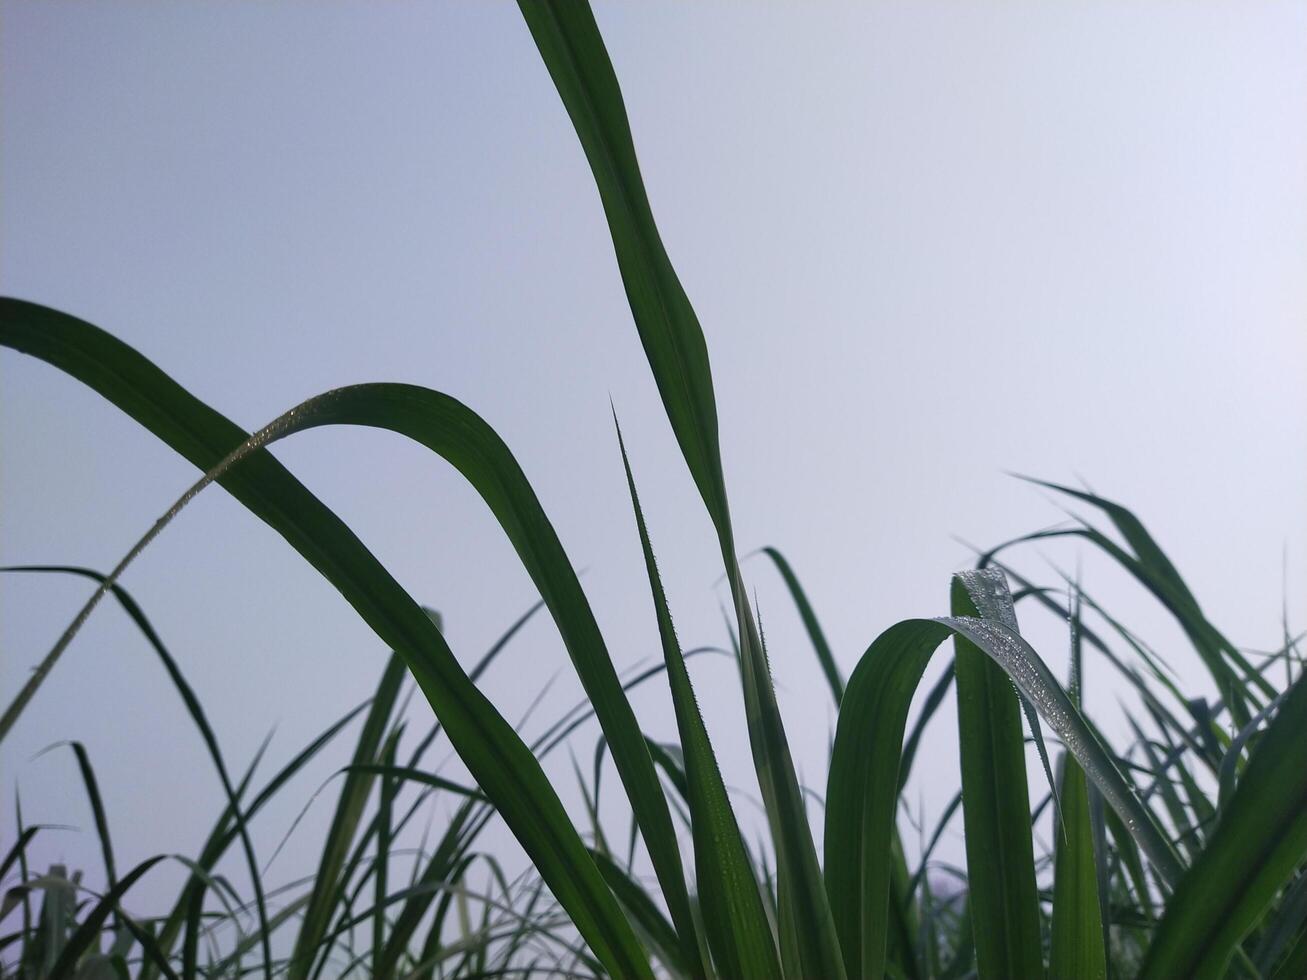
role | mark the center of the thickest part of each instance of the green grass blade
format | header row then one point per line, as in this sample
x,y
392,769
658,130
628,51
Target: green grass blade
x,y
408,773
996,808
737,927
816,635
1077,951
1260,842
25,835
499,761
862,789
97,811
573,51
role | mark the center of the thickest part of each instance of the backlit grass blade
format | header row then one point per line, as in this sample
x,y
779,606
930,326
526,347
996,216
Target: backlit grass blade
x,y
736,925
996,797
1259,843
488,745
573,51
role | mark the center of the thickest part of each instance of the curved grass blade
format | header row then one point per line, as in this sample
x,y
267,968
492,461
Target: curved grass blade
x,y
1259,843
500,763
734,919
408,773
573,51
1230,762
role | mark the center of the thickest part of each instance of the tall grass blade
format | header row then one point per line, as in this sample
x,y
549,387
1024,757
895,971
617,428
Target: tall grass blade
x,y
573,51
97,811
733,915
1077,951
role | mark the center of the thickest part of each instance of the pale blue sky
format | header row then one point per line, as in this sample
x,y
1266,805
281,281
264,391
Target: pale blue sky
x,y
929,243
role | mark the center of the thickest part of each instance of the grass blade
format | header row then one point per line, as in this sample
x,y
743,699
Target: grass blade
x,y
815,634
734,919
1077,951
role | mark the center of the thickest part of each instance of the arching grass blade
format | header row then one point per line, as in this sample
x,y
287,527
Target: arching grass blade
x,y
500,763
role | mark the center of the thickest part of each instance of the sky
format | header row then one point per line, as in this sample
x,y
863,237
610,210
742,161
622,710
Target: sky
x,y
931,245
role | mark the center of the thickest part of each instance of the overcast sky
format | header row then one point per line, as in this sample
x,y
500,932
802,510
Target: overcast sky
x,y
929,244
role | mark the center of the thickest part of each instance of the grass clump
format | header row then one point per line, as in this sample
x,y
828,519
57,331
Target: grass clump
x,y
1179,855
